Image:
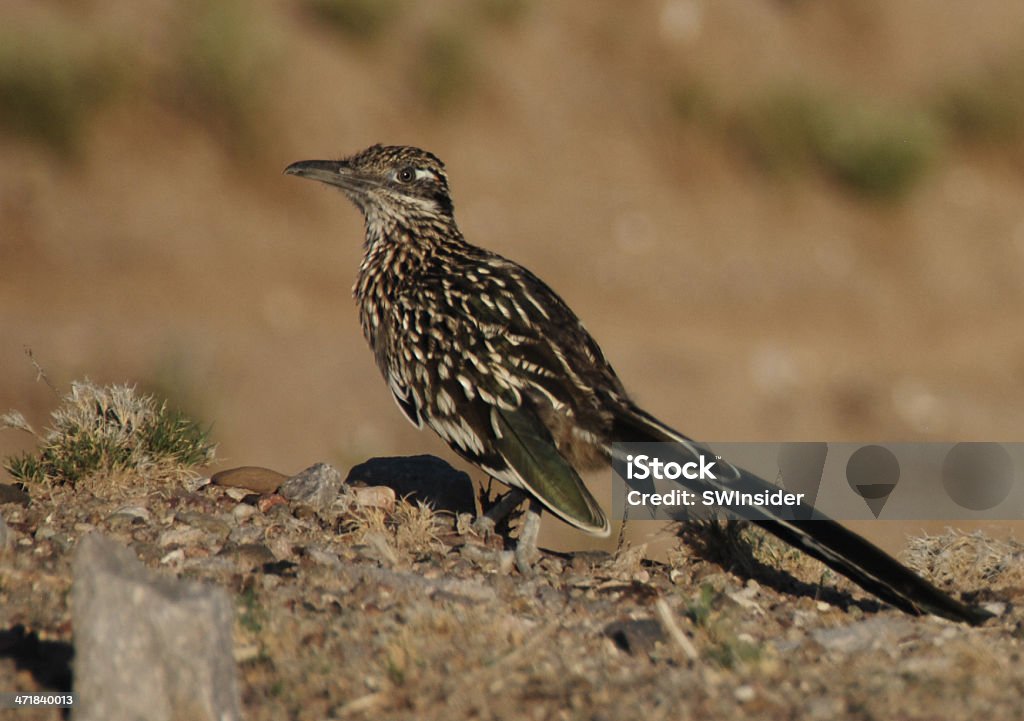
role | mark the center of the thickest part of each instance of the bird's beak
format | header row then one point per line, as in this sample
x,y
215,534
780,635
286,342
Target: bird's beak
x,y
339,173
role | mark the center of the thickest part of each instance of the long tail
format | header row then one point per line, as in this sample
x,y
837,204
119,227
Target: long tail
x,y
840,549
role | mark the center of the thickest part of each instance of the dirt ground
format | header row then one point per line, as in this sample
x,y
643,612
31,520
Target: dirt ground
x,y
406,614
593,142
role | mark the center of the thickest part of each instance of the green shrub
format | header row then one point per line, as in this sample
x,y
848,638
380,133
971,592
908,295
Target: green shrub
x,y
986,107
50,83
363,20
100,429
872,149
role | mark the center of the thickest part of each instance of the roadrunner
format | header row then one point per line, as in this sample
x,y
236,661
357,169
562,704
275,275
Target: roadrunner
x,y
483,352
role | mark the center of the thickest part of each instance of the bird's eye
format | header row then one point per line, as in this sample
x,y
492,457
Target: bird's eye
x,y
406,175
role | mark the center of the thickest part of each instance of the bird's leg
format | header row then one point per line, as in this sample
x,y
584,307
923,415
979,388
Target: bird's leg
x,y
526,553
484,525
526,547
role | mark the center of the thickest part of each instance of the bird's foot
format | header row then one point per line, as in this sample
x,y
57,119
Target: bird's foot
x,y
484,526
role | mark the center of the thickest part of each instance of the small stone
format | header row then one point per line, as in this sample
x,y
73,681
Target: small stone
x,y
5,536
323,557
636,636
255,478
421,478
744,693
242,512
206,522
132,512
996,608
317,486
248,533
10,493
250,554
281,547
194,483
181,536
375,497
876,632
174,557
268,502
238,494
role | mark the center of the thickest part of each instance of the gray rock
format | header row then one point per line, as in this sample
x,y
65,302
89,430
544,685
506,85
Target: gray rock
x,y
148,646
317,486
863,636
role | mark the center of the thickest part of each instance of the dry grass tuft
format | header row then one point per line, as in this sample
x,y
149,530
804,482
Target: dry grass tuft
x,y
412,529
104,431
967,560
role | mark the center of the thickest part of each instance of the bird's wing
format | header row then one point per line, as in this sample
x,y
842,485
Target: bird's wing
x,y
531,457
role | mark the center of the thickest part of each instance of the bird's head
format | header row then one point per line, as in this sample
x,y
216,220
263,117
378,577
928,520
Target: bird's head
x,y
385,180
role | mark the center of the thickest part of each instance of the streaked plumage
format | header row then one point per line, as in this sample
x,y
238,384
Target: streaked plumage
x,y
480,350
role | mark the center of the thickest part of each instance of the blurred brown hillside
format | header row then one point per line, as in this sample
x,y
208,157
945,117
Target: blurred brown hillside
x,y
782,219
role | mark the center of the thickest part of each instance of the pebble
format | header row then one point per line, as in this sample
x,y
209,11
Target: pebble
x,y
242,494
242,512
745,693
375,497
248,533
132,512
10,493
281,547
636,636
254,478
174,557
254,554
268,502
195,483
323,556
206,522
181,535
419,478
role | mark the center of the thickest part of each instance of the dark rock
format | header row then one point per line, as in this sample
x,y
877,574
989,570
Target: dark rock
x,y
11,493
636,636
249,554
422,478
148,646
287,569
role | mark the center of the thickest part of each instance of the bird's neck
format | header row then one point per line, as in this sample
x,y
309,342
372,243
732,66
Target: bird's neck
x,y
394,255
